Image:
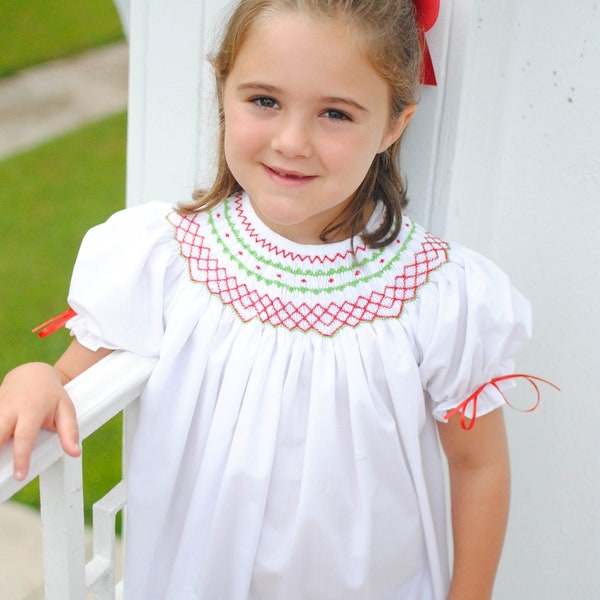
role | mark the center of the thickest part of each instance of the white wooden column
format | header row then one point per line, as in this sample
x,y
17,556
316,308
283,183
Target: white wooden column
x,y
450,152
171,112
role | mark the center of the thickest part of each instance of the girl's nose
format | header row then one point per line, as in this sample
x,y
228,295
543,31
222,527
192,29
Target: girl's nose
x,y
292,138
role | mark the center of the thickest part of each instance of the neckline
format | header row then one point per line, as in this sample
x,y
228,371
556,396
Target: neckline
x,y
286,245
263,275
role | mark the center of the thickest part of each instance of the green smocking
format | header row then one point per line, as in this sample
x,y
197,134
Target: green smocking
x,y
298,271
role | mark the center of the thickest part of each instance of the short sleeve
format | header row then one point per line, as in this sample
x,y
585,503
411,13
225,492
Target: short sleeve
x,y
471,323
120,280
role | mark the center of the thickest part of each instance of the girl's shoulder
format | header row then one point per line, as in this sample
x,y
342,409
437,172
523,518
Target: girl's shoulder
x,y
135,235
126,271
463,288
148,216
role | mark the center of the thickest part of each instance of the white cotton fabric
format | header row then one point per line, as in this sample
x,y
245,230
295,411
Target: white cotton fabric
x,y
274,462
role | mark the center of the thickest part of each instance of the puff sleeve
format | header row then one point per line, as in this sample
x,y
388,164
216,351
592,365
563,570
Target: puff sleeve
x,y
121,280
472,321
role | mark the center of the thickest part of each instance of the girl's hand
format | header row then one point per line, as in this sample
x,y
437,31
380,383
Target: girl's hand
x,y
32,397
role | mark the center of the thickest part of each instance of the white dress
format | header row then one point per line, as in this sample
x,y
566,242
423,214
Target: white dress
x,y
286,448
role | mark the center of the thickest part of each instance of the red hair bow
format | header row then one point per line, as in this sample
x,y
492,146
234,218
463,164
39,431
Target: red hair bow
x,y
427,12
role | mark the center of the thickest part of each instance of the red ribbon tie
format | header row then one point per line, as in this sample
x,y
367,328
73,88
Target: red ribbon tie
x,y
54,324
462,407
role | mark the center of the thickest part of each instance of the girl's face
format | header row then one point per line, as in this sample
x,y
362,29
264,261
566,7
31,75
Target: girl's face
x,y
305,115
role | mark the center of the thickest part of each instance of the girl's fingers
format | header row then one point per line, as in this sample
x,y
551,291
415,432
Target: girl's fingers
x,y
25,432
32,397
7,426
66,427
24,441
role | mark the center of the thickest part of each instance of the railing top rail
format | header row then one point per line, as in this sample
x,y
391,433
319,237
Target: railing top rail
x,y
99,394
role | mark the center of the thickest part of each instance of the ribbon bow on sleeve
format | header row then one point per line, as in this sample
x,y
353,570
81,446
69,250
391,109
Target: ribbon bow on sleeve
x,y
427,12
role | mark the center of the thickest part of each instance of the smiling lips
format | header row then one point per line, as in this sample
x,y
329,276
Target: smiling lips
x,y
287,177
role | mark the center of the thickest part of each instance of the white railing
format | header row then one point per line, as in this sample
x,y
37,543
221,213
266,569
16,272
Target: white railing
x,y
109,387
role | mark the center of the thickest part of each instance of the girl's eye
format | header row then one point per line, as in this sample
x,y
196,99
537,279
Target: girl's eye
x,y
265,102
336,115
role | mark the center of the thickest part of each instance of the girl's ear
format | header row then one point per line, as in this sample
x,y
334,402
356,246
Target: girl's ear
x,y
397,127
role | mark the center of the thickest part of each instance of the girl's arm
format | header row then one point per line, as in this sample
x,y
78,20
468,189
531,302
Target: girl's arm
x,y
480,491
33,397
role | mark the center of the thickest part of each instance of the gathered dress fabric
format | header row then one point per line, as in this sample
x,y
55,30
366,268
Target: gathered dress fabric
x,y
286,447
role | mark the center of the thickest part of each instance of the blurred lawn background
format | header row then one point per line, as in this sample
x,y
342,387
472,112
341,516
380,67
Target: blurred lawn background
x,y
50,196
36,31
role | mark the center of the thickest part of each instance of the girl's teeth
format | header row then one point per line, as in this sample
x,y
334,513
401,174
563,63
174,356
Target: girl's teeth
x,y
288,175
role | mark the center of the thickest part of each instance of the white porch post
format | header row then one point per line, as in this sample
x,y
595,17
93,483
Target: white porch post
x,y
63,529
171,112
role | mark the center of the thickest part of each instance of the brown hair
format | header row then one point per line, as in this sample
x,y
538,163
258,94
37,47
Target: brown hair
x,y
388,33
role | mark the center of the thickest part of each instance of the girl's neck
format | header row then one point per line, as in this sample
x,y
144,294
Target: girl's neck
x,y
310,232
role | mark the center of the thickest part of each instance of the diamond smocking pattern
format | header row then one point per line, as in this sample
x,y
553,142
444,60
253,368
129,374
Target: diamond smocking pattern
x,y
225,253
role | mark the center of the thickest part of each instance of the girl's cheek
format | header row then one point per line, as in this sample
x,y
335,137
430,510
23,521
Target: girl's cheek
x,y
243,127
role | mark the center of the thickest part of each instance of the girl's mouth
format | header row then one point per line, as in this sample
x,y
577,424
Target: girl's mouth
x,y
292,176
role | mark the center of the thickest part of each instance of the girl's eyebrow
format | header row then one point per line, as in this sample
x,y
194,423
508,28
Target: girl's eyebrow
x,y
258,86
347,101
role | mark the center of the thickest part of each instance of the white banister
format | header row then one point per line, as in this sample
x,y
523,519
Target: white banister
x,y
100,571
109,387
61,499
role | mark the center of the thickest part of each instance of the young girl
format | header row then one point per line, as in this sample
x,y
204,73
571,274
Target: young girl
x,y
311,340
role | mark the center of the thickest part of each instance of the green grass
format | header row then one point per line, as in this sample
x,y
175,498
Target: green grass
x,y
39,30
49,197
